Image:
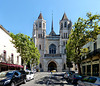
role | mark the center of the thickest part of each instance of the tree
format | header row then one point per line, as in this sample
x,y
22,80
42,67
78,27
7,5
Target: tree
x,y
84,30
25,46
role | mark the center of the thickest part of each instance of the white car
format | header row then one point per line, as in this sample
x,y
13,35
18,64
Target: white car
x,y
29,75
89,81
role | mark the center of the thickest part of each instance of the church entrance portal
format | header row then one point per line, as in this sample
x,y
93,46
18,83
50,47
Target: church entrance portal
x,y
52,66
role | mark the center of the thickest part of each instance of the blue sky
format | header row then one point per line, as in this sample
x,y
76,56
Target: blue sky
x,y
18,16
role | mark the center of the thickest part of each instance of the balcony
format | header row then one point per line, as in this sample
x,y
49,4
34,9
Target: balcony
x,y
93,53
52,55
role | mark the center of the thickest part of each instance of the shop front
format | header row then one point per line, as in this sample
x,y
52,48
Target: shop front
x,y
91,66
7,66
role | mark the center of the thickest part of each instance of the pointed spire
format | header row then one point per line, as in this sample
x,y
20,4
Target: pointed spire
x,y
52,23
40,16
64,17
52,33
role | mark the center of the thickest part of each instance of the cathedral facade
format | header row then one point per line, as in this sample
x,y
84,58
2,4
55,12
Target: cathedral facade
x,y
52,46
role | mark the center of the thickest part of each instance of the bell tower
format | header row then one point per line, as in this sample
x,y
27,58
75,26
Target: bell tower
x,y
65,28
39,35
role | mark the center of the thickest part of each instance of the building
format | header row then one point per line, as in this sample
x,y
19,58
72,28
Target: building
x,y
90,64
52,46
9,58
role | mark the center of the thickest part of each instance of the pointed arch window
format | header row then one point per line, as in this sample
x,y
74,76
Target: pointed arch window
x,y
52,49
65,24
61,25
43,25
39,24
40,65
40,47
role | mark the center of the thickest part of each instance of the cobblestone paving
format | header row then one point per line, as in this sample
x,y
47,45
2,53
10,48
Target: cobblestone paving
x,y
45,79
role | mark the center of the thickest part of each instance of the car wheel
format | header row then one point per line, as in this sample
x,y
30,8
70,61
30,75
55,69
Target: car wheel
x,y
24,81
13,84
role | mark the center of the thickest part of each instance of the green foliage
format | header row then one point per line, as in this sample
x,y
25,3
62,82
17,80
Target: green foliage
x,y
84,30
26,47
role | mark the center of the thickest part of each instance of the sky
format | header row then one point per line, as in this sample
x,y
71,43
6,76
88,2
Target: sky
x,y
18,16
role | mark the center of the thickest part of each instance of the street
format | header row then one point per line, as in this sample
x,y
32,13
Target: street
x,y
45,79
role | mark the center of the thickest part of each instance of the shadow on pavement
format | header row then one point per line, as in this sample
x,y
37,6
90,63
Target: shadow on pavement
x,y
56,79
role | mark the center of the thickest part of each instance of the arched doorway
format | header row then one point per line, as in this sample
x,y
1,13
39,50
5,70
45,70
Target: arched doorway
x,y
52,66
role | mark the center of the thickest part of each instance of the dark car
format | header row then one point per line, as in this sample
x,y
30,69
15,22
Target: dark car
x,y
11,78
67,74
89,81
74,78
23,73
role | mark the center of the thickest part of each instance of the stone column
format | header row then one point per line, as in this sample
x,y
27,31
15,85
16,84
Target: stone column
x,y
91,68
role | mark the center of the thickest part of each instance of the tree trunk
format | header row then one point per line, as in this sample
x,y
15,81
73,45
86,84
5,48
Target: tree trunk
x,y
79,68
31,67
24,65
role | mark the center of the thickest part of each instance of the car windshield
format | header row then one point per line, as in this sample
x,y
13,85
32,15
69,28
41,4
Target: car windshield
x,y
6,73
9,73
92,79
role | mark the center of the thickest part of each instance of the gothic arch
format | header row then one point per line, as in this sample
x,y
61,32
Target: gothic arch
x,y
40,65
51,61
52,49
52,66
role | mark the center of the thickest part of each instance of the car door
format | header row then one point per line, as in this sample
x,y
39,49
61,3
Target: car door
x,y
20,77
91,81
83,82
16,78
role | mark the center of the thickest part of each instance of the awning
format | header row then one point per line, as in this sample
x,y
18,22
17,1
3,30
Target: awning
x,y
11,65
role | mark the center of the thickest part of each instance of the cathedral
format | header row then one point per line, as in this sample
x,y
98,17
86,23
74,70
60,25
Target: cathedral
x,y
52,47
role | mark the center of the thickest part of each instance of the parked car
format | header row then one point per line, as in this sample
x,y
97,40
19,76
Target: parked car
x,y
74,78
29,75
89,81
66,75
23,73
11,78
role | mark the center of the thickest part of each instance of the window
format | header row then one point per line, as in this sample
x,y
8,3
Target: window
x,y
52,49
64,66
39,24
61,25
39,47
95,45
39,35
43,25
66,35
40,65
64,50
65,24
4,52
12,58
89,70
64,43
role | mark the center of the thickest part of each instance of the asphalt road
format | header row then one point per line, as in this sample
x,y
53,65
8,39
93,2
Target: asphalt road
x,y
48,79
